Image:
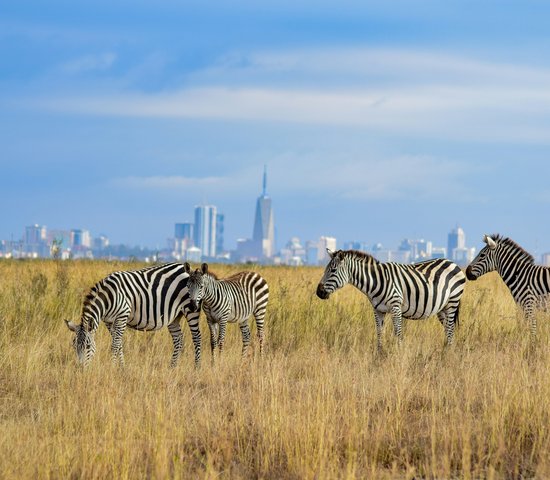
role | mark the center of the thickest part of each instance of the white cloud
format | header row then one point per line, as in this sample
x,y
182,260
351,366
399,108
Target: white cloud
x,y
373,177
102,61
343,175
399,92
211,186
166,182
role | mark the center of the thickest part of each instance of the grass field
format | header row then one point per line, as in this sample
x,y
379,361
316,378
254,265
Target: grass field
x,y
320,404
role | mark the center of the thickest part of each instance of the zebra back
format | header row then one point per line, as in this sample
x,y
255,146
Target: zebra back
x,y
151,297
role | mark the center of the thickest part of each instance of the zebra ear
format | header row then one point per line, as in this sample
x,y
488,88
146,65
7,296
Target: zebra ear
x,y
71,326
204,268
187,267
330,252
490,242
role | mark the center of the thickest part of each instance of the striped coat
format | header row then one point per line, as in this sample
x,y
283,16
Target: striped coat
x,y
147,299
405,291
232,299
528,283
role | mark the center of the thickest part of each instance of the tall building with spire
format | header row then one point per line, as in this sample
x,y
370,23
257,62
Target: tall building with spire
x,y
205,230
264,227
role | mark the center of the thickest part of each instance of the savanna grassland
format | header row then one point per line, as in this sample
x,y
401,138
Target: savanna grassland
x,y
320,404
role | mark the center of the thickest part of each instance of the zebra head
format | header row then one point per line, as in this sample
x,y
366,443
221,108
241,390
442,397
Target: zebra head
x,y
83,342
485,260
335,276
195,286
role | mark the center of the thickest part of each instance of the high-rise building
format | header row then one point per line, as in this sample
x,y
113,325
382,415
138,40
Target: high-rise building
x,y
324,243
456,248
183,239
455,240
35,240
35,234
81,238
101,242
264,227
183,231
220,217
419,249
205,229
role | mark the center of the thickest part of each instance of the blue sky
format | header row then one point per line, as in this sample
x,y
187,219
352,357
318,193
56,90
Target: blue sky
x,y
377,120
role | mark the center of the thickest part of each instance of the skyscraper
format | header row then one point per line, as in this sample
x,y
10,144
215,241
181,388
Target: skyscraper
x,y
264,228
205,229
455,240
35,239
220,217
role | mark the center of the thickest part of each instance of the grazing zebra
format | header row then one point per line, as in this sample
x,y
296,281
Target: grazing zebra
x,y
528,283
231,299
146,299
411,291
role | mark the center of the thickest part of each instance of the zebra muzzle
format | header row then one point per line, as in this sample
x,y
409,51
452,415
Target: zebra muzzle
x,y
469,274
322,293
193,305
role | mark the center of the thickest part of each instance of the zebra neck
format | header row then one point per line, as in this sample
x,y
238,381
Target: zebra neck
x,y
92,313
91,323
360,274
211,288
513,275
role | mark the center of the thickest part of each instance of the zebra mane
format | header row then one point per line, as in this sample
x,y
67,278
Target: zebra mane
x,y
525,255
212,274
359,255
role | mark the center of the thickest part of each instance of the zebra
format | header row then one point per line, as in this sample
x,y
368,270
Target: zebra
x,y
412,291
231,299
528,283
147,300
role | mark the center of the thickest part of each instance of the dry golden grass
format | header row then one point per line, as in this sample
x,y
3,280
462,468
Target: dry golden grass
x,y
320,404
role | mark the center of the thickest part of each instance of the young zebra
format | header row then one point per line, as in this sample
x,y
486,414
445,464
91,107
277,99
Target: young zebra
x,y
146,299
528,283
411,291
232,299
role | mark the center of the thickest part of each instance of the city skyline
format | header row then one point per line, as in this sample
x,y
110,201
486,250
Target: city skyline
x,y
203,240
38,239
377,120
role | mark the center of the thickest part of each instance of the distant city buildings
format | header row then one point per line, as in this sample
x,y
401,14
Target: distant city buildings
x,y
39,242
264,227
456,247
261,247
199,241
204,240
205,230
220,219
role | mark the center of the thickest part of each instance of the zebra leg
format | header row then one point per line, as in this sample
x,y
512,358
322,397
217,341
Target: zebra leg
x,y
397,322
221,337
213,327
259,316
447,319
177,339
245,331
193,322
529,311
117,330
379,319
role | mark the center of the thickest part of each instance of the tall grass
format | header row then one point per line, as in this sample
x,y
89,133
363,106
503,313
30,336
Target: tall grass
x,y
320,403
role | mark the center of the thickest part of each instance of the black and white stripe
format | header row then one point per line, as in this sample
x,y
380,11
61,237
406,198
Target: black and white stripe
x,y
232,299
406,291
528,283
147,299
